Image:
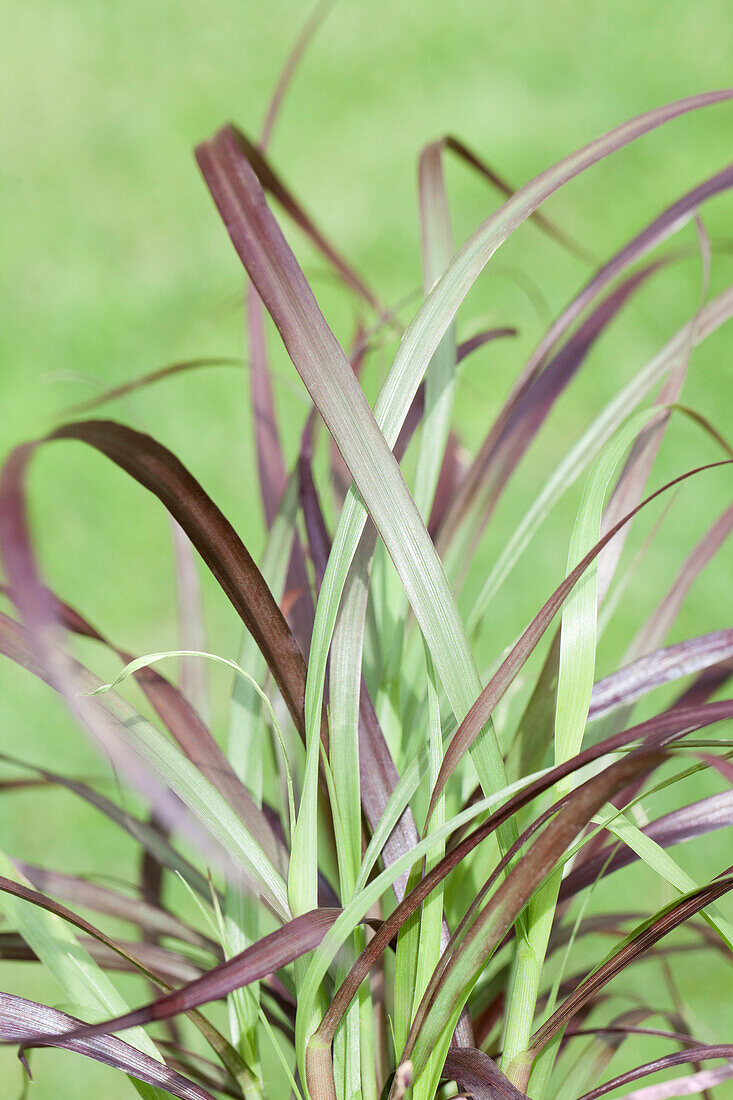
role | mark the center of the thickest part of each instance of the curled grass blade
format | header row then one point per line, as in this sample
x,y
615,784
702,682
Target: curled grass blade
x,y
19,1017
159,471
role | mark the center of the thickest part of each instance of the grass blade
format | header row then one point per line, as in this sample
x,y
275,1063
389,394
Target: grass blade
x,y
19,1017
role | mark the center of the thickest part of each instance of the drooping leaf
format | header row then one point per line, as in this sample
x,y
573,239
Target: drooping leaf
x,y
22,1020
265,957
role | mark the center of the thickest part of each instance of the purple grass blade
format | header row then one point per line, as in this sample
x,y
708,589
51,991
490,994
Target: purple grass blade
x,y
149,379
145,835
20,1019
191,629
462,152
664,666
302,42
270,462
502,450
633,477
706,685
270,181
340,476
667,223
676,827
679,1058
171,968
319,540
478,1076
651,932
467,347
102,899
268,955
34,897
655,629
159,471
20,1016
689,1085
494,691
452,472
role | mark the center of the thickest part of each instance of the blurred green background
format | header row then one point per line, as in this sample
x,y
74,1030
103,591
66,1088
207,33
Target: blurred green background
x,y
114,262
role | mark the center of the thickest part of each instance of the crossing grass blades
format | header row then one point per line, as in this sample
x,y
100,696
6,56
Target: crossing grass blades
x,y
390,857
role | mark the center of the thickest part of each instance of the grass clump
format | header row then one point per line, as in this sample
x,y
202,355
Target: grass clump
x,y
388,868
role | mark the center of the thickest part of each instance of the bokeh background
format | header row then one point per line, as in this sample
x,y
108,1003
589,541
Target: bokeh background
x,y
114,262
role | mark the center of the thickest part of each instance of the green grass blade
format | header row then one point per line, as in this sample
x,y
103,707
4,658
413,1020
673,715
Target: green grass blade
x,y
191,786
594,438
576,673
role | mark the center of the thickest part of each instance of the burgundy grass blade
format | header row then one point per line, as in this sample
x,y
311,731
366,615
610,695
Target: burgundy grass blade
x,y
502,450
191,629
462,152
270,462
302,42
170,967
149,379
706,685
22,1020
102,899
664,226
34,897
272,471
270,181
674,916
478,1076
676,827
494,691
630,484
271,953
467,347
700,1053
660,621
452,473
159,471
661,667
